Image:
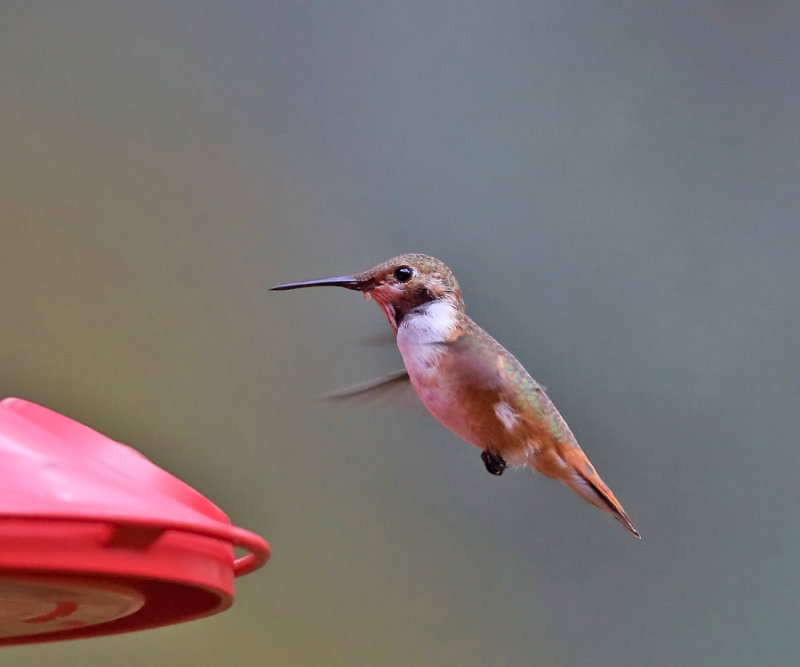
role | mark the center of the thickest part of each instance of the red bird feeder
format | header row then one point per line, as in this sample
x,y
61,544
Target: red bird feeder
x,y
95,539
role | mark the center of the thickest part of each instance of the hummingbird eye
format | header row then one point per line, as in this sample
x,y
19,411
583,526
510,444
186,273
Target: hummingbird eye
x,y
403,274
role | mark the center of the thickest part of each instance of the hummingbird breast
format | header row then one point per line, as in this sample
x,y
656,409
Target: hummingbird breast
x,y
420,338
474,386
424,339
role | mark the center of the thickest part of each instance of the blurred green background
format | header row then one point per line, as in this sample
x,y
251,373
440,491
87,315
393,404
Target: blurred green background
x,y
616,186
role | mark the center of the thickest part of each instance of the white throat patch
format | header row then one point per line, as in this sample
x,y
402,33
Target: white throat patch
x,y
419,330
431,323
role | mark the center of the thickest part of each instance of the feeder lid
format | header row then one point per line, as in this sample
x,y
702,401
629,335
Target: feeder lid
x,y
95,539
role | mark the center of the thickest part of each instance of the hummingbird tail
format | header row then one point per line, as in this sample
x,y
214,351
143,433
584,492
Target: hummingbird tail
x,y
575,471
595,491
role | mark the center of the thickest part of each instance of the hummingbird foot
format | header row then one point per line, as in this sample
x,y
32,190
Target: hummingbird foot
x,y
494,463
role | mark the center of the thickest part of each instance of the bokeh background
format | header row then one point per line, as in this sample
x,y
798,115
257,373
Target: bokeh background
x,y
616,185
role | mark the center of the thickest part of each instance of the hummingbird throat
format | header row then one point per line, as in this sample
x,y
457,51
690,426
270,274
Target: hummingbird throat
x,y
397,305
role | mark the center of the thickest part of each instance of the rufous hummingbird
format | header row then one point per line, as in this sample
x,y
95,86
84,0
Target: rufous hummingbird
x,y
470,382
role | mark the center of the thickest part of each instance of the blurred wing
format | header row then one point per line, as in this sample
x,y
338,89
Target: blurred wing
x,y
372,388
481,362
473,362
384,337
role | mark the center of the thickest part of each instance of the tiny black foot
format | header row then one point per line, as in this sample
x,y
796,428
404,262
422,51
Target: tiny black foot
x,y
494,463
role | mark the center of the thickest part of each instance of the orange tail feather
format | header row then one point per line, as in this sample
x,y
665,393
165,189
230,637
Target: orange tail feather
x,y
575,471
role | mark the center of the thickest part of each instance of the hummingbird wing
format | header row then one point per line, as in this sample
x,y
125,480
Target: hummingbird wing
x,y
371,387
384,337
482,363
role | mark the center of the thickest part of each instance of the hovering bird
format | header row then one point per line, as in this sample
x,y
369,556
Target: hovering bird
x,y
470,382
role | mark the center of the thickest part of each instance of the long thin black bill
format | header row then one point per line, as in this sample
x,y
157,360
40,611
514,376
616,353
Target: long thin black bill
x,y
348,282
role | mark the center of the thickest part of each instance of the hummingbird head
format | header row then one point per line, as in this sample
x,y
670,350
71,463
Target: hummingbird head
x,y
399,285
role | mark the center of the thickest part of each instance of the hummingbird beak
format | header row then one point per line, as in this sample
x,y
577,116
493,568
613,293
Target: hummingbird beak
x,y
348,282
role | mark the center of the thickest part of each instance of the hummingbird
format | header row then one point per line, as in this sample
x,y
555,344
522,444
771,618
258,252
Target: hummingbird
x,y
468,381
